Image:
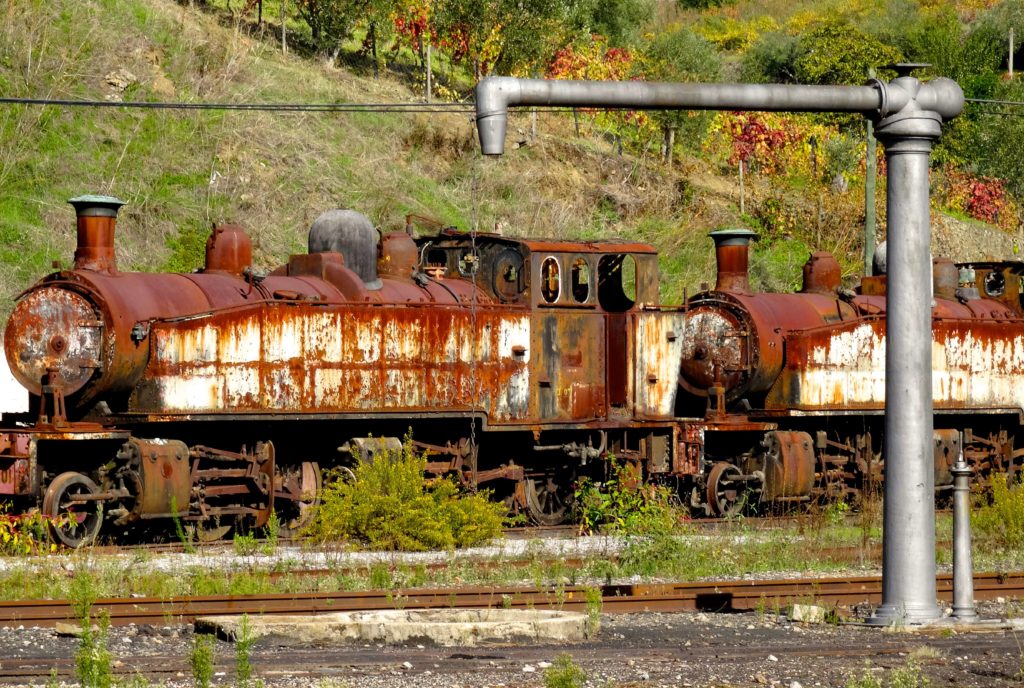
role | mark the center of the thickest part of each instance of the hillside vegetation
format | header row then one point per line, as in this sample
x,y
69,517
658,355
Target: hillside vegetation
x,y
593,176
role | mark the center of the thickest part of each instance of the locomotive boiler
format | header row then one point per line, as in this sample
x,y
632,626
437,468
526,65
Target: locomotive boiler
x,y
791,387
217,397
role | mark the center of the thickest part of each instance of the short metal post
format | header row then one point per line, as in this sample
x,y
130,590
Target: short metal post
x,y
963,569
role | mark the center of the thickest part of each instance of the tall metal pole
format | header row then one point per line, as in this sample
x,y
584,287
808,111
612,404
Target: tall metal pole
x,y
909,118
908,549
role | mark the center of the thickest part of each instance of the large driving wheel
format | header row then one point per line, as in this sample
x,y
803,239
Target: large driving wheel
x,y
305,483
71,520
547,500
726,489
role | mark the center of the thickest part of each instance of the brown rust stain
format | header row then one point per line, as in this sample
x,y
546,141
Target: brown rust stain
x,y
303,358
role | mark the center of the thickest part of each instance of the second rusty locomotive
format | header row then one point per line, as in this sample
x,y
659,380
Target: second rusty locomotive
x,y
217,397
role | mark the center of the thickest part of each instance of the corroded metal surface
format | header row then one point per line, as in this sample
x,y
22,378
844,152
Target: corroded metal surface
x,y
302,357
657,346
724,595
162,470
54,328
788,466
975,364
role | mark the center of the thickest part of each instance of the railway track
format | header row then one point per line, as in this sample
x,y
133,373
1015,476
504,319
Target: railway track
x,y
564,531
716,596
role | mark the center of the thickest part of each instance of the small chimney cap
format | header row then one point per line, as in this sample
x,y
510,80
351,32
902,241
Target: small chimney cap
x,y
91,204
743,235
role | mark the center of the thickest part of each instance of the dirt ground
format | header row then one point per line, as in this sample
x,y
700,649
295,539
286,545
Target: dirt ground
x,y
631,650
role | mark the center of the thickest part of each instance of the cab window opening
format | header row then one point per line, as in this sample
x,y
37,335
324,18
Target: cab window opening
x,y
550,281
616,285
580,281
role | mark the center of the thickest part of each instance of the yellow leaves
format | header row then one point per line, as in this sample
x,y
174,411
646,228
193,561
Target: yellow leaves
x,y
735,34
24,534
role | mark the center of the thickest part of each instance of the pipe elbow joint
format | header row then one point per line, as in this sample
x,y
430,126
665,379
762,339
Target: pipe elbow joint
x,y
493,96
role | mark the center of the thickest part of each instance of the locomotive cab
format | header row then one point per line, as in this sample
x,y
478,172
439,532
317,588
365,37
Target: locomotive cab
x,y
594,319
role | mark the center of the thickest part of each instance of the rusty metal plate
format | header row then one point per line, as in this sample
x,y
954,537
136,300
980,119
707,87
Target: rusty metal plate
x,y
975,364
568,382
302,358
788,465
165,477
657,350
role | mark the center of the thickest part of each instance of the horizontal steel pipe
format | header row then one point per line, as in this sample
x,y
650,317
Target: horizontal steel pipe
x,y
494,95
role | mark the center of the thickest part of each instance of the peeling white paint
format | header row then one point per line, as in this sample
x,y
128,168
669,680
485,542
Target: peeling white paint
x,y
337,361
657,358
515,332
966,370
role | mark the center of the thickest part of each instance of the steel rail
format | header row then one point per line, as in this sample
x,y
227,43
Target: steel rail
x,y
735,595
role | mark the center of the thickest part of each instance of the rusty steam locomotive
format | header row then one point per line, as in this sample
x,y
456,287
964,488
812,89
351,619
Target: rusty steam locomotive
x,y
218,397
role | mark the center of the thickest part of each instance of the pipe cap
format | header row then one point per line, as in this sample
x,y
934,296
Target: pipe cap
x,y
94,205
733,236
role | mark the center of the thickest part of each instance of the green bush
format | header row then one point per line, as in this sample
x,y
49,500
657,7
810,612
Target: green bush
x,y
1002,519
837,53
564,673
681,56
622,504
770,59
390,506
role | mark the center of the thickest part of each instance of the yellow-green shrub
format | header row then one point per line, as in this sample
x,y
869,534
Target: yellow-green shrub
x,y
389,505
1002,519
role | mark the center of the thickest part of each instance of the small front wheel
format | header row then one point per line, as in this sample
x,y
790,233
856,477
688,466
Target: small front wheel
x,y
73,519
726,490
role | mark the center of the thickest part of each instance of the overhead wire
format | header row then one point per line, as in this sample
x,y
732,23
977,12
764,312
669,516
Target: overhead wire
x,y
416,107
262,107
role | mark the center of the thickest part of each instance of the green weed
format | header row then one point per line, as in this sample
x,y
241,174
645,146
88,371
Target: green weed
x,y
908,676
564,673
622,504
179,529
201,660
595,604
864,680
271,533
93,660
243,653
1001,520
245,544
835,512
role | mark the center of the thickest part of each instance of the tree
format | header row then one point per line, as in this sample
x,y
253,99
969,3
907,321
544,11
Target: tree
x,y
699,4
770,60
509,36
620,21
997,152
839,53
680,56
330,21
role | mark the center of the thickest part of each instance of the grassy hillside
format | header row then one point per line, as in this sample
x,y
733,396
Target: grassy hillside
x,y
180,171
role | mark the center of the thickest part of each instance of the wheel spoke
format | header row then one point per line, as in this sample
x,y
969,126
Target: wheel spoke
x,y
546,500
